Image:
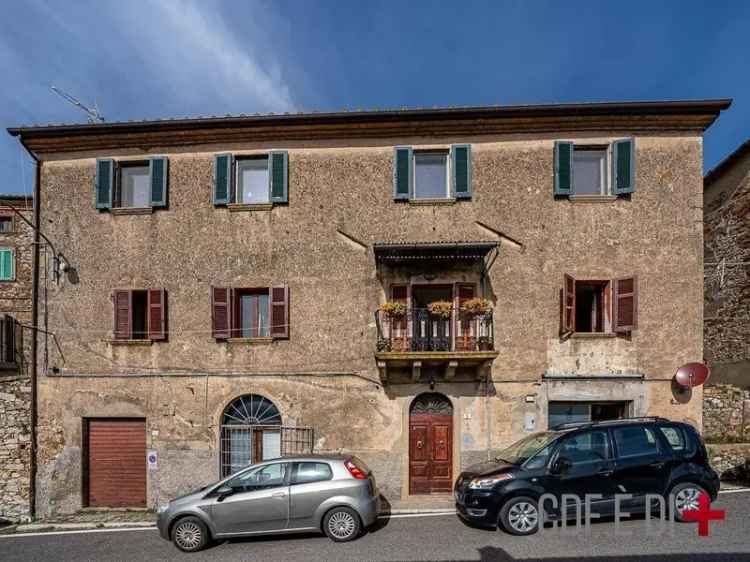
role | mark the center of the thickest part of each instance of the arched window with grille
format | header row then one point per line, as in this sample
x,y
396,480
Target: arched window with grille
x,y
250,432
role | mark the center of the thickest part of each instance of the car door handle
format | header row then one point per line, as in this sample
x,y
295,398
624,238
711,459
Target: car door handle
x,y
278,495
657,465
605,472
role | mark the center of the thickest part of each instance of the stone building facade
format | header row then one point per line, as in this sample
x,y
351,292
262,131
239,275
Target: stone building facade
x,y
210,330
727,255
16,240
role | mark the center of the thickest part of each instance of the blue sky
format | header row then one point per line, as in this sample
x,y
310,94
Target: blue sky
x,y
148,59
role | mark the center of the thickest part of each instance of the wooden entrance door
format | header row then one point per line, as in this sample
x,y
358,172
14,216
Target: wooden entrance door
x,y
431,445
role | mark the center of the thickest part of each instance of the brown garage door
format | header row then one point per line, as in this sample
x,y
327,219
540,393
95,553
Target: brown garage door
x,y
116,463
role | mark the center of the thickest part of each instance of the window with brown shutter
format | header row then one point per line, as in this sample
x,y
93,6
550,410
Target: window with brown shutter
x,y
625,304
250,313
280,311
140,314
598,306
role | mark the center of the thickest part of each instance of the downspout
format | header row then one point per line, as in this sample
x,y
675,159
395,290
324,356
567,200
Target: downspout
x,y
34,344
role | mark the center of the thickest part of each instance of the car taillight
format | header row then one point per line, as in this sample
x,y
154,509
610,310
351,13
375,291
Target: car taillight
x,y
354,470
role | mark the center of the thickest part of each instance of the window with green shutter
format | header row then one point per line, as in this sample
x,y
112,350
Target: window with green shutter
x,y
592,170
7,264
461,165
131,184
251,182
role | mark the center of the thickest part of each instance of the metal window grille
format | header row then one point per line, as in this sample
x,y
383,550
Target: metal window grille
x,y
243,445
8,341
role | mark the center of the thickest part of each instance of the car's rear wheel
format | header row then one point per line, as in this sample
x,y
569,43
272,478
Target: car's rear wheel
x,y
520,516
685,497
190,534
342,524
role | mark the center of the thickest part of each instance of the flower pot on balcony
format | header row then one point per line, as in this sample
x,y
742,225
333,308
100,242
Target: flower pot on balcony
x,y
484,344
475,308
393,309
441,309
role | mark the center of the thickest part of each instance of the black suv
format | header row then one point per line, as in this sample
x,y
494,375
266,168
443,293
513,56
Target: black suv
x,y
636,456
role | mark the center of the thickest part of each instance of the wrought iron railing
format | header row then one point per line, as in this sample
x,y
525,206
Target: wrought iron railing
x,y
419,330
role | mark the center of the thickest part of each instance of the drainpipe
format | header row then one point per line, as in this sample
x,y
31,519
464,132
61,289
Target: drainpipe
x,y
34,314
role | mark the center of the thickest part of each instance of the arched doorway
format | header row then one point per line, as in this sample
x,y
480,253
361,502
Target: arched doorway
x,y
250,432
430,444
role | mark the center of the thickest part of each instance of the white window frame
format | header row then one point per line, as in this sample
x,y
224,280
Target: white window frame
x,y
606,173
238,160
448,195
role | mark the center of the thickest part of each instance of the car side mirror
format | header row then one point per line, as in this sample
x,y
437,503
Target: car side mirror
x,y
560,466
223,492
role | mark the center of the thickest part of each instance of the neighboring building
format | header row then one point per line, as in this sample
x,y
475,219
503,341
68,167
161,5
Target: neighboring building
x,y
229,274
16,255
727,253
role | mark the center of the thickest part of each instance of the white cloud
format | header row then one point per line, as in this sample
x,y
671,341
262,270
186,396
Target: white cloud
x,y
188,45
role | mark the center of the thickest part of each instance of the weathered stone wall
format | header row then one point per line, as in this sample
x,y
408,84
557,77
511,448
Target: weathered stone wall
x,y
731,461
726,413
14,447
325,375
727,287
15,389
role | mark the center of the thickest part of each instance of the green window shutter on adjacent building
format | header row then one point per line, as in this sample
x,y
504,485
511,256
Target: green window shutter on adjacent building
x,y
6,265
278,174
158,169
461,166
222,179
563,168
104,183
623,166
403,179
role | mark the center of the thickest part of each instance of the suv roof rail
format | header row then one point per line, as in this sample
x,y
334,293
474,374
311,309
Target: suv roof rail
x,y
573,425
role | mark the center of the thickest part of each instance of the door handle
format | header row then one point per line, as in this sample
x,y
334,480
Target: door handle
x,y
278,495
657,465
605,472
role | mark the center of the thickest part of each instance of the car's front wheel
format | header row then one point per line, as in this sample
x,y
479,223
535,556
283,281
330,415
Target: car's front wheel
x,y
342,524
685,497
190,534
520,516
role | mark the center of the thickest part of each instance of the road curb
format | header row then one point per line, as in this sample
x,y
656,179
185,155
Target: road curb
x,y
54,527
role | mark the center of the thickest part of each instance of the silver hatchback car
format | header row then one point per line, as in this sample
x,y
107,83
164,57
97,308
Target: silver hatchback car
x,y
335,494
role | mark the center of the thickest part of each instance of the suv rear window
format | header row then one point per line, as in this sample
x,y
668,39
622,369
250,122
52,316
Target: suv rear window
x,y
675,437
635,441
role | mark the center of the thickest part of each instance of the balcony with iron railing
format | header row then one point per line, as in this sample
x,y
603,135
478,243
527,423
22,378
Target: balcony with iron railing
x,y
419,339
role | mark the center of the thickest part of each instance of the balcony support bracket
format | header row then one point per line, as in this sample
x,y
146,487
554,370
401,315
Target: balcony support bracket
x,y
416,371
450,370
383,370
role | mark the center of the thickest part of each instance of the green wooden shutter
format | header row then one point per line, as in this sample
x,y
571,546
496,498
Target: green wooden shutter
x,y
222,179
6,265
104,183
158,172
563,168
278,173
461,165
402,173
623,167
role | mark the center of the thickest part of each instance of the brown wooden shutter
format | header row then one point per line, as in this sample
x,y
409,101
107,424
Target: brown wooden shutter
x,y
625,304
157,314
123,301
399,293
465,292
220,312
279,302
569,304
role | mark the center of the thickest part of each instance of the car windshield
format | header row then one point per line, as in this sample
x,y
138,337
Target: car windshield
x,y
521,451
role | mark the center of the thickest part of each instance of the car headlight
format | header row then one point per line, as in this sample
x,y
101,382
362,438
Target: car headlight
x,y
489,481
163,508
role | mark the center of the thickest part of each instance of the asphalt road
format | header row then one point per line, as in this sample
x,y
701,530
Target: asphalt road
x,y
439,538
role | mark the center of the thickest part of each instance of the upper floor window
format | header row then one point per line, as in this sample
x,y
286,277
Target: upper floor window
x,y
140,314
251,180
432,174
6,224
10,342
594,170
250,313
131,184
7,264
599,305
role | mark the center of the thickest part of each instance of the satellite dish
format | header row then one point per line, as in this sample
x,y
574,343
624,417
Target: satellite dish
x,y
692,374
